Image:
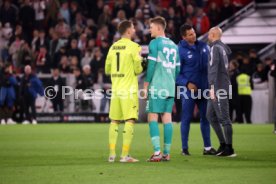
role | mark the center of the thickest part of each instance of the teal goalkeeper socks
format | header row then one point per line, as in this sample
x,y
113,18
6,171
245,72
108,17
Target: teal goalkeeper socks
x,y
155,136
168,131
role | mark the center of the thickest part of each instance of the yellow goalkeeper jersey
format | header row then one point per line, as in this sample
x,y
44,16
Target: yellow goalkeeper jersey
x,y
123,63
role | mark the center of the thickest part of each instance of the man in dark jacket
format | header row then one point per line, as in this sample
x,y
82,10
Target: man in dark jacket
x,y
29,88
218,105
57,82
7,95
8,13
233,102
27,19
193,79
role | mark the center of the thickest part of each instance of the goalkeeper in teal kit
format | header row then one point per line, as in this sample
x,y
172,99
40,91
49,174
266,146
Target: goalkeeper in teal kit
x,y
163,68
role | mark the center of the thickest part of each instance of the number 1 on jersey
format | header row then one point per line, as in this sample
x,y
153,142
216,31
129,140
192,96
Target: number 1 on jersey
x,y
118,61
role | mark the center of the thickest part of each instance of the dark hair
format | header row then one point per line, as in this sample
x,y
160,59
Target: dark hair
x,y
5,66
76,69
252,51
245,56
123,26
184,28
268,58
235,63
55,68
159,20
42,31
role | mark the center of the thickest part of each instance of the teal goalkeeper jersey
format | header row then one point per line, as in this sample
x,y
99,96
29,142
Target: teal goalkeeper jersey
x,y
163,67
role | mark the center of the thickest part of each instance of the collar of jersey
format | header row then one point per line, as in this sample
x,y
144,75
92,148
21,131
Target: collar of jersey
x,y
125,38
162,37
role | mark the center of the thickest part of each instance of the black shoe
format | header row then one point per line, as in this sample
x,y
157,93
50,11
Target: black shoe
x,y
185,152
227,152
220,149
212,151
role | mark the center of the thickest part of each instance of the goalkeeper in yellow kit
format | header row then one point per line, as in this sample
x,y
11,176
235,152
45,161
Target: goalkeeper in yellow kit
x,y
123,63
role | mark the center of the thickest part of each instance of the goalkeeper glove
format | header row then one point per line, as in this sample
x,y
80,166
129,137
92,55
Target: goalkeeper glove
x,y
144,64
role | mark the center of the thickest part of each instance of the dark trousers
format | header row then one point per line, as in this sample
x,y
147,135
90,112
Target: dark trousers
x,y
176,115
218,115
5,112
188,106
245,107
29,103
58,104
233,107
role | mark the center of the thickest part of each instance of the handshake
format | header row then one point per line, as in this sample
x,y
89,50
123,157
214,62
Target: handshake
x,y
144,63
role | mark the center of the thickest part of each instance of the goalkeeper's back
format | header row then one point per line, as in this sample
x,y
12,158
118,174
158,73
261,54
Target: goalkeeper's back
x,y
123,63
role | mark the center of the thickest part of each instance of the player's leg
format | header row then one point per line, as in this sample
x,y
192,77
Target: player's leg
x,y
113,135
153,108
228,129
168,127
205,127
212,118
155,137
115,114
222,113
186,116
130,107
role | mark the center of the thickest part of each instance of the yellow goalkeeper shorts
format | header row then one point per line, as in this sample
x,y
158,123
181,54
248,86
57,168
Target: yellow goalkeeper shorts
x,y
124,107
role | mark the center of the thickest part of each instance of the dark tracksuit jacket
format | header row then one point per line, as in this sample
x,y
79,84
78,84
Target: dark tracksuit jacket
x,y
30,87
218,110
193,68
57,101
7,91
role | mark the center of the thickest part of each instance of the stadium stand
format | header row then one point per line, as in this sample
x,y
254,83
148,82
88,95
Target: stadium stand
x,y
49,34
254,25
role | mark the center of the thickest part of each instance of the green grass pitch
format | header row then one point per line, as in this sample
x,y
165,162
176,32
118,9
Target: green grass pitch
x,y
77,153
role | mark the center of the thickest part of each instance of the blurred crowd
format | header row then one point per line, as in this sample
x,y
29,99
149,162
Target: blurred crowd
x,y
73,37
68,35
247,68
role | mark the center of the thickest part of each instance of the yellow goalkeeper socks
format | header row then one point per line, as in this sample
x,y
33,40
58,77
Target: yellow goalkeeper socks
x,y
127,138
113,134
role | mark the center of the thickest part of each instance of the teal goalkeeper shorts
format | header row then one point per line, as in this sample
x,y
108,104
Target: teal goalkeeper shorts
x,y
158,105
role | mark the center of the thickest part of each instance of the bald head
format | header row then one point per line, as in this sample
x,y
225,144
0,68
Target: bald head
x,y
86,69
28,70
214,34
